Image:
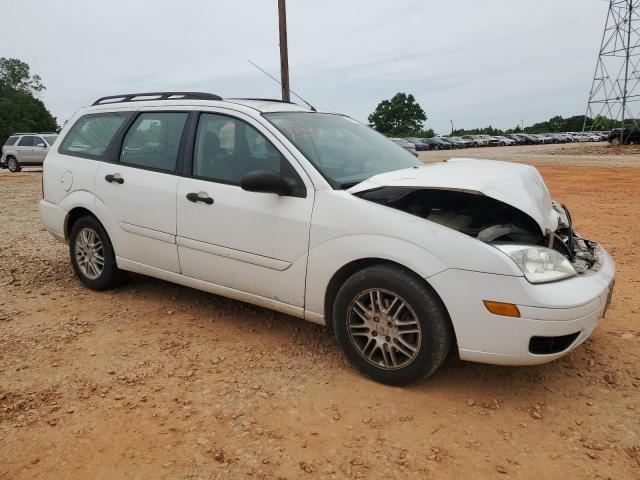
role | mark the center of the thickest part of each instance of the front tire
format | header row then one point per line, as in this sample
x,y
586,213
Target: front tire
x,y
13,165
391,325
92,255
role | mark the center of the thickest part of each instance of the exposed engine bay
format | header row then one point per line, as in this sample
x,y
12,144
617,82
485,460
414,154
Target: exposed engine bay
x,y
487,219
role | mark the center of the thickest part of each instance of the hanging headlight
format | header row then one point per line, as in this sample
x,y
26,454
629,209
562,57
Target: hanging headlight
x,y
539,264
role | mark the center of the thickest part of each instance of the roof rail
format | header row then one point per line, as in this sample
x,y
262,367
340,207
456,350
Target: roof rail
x,y
263,100
150,96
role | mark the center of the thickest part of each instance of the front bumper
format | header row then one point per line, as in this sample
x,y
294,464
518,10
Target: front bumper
x,y
556,309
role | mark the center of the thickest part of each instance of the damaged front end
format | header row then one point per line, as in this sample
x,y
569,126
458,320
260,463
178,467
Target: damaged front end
x,y
488,220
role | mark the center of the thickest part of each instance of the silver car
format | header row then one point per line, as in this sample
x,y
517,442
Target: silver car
x,y
406,144
26,149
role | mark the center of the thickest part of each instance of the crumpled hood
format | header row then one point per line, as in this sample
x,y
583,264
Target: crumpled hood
x,y
520,186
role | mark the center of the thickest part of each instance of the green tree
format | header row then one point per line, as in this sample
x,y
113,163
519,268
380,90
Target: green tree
x,y
400,116
20,111
17,75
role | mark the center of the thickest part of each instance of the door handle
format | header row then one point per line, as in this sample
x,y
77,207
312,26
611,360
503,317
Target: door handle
x,y
114,178
199,197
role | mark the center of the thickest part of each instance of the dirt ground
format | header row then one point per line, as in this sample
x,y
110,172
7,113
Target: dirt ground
x,y
154,380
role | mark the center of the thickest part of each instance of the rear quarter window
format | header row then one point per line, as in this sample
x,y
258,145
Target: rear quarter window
x,y
11,141
91,134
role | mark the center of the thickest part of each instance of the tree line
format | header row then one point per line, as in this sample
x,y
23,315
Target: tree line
x,y
402,116
20,109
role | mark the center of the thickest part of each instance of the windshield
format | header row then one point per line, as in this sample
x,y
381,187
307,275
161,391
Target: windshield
x,y
50,139
344,151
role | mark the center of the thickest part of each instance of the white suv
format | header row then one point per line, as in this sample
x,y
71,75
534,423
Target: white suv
x,y
318,216
26,149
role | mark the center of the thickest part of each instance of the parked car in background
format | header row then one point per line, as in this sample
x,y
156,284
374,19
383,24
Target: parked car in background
x,y
437,143
476,140
26,150
594,137
264,202
624,136
531,139
490,139
408,146
456,142
449,144
506,141
545,138
567,138
580,137
463,141
518,138
419,143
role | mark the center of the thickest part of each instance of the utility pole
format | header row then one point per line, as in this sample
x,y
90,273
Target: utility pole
x,y
451,126
284,53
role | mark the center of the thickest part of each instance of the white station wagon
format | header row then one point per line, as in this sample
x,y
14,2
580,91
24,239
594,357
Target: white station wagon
x,y
315,215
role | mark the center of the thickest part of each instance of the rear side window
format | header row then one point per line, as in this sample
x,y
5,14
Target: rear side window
x,y
153,140
26,141
92,134
11,141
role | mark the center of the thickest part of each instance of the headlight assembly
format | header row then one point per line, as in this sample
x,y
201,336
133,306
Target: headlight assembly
x,y
539,264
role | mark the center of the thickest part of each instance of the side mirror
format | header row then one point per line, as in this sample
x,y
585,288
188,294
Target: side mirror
x,y
265,181
41,145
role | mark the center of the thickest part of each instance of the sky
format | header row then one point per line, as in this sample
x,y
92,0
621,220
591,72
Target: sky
x,y
473,62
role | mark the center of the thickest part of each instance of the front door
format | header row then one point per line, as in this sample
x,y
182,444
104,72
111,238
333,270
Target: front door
x,y
252,242
140,190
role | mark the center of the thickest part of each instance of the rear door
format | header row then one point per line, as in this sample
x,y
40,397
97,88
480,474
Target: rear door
x,y
139,189
248,241
24,150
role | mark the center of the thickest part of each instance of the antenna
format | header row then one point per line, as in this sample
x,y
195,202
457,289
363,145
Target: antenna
x,y
278,82
615,90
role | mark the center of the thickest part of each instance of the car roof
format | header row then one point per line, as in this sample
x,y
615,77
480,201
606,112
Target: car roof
x,y
176,99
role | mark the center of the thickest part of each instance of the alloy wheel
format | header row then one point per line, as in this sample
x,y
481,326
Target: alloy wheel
x,y
89,253
384,329
12,164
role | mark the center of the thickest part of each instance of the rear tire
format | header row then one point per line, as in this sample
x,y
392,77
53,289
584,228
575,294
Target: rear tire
x,y
391,325
13,165
92,256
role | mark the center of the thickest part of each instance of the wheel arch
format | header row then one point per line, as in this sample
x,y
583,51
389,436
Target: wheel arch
x,y
73,216
347,270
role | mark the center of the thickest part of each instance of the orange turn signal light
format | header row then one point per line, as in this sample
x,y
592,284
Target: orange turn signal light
x,y
504,309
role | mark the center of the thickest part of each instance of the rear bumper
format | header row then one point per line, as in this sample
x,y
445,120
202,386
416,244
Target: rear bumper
x,y
559,309
53,218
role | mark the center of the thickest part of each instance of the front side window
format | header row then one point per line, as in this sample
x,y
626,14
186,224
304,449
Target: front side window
x,y
153,140
26,141
38,142
91,135
226,149
11,141
344,151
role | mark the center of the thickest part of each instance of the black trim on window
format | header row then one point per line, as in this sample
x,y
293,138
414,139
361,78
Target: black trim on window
x,y
105,155
187,170
115,150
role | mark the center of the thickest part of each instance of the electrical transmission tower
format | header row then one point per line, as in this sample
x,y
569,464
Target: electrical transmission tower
x,y
614,99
